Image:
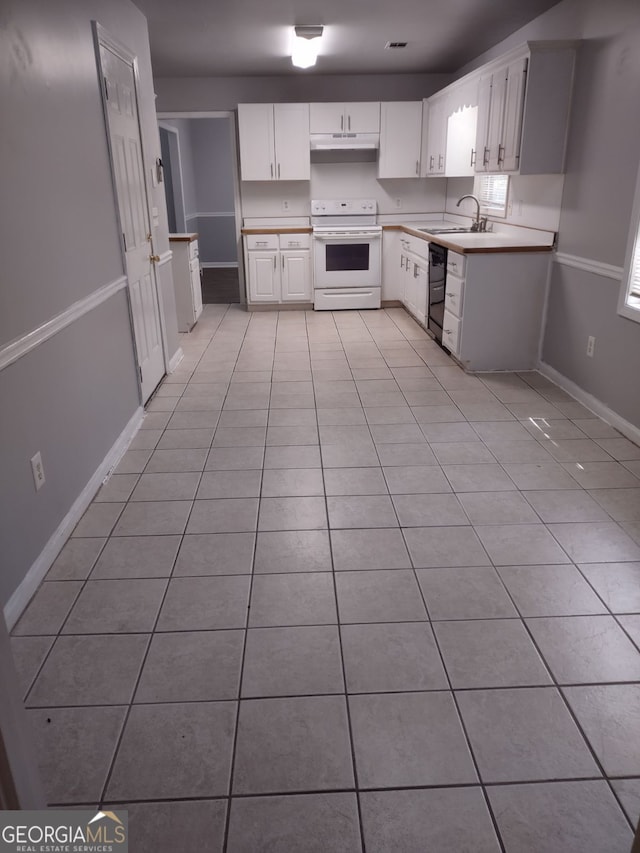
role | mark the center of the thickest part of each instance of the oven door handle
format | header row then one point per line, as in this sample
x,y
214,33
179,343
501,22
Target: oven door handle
x,y
349,238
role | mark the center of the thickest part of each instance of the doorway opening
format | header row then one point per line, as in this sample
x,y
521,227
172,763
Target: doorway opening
x,y
202,193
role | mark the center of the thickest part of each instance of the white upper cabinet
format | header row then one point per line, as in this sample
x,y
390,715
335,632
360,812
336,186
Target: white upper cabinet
x,y
400,139
461,142
523,110
361,117
274,142
435,149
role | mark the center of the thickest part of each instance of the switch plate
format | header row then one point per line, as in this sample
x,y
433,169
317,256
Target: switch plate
x,y
286,204
591,345
38,471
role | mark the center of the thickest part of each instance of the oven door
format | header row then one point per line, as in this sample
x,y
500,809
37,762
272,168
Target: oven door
x,y
346,260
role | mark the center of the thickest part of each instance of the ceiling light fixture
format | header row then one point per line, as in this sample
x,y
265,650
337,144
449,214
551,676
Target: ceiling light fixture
x,y
306,42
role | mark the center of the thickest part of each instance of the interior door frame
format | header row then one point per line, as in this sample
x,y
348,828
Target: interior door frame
x,y
235,172
169,128
102,37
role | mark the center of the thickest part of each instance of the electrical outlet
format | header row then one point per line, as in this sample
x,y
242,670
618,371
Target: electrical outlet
x,y
591,345
398,203
38,471
286,204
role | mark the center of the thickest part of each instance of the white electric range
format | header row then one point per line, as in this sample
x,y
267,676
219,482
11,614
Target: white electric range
x,y
347,254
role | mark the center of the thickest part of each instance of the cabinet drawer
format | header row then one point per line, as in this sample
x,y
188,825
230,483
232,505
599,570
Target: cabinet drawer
x,y
455,264
262,241
295,241
454,295
451,332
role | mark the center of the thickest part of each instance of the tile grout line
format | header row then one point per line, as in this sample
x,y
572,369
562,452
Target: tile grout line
x,y
234,744
130,706
559,688
347,708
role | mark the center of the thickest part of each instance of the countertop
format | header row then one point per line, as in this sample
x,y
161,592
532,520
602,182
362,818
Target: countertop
x,y
467,243
187,237
277,229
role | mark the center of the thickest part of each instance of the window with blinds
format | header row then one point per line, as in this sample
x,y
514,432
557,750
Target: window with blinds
x,y
634,278
629,302
491,191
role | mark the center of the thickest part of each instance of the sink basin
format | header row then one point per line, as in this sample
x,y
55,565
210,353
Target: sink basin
x,y
445,230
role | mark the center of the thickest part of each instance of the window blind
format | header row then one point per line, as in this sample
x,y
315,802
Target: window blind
x,y
493,191
634,284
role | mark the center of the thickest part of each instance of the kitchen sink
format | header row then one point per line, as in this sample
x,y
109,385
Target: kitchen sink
x,y
445,230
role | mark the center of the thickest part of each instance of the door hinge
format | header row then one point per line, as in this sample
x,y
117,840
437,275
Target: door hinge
x,y
106,88
140,372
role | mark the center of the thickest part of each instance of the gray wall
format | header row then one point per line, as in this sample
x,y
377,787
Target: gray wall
x,y
72,396
603,156
206,157
225,93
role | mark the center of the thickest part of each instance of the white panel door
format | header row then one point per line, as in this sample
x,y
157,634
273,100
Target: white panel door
x,y
196,287
513,110
255,130
126,152
264,277
293,154
496,118
296,276
326,118
482,131
400,139
362,117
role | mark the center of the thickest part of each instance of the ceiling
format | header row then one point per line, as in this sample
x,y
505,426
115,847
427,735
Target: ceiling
x,y
207,38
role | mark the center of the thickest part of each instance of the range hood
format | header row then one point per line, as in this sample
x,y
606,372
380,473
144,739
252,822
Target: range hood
x,y
344,141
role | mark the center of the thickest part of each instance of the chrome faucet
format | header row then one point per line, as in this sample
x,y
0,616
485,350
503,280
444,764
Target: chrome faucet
x,y
481,223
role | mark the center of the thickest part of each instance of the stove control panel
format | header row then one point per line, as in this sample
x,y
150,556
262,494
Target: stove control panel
x,y
343,206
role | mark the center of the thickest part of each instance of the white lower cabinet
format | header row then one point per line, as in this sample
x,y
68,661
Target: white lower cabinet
x,y
296,276
493,309
279,268
264,277
185,266
414,265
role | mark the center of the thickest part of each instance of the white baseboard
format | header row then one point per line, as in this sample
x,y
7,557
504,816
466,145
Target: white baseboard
x,y
25,591
599,409
175,360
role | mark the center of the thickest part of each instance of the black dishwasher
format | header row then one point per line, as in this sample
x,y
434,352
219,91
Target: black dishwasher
x,y
437,283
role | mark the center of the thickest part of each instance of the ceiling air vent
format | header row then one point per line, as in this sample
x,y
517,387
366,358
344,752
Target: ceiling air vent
x,y
395,45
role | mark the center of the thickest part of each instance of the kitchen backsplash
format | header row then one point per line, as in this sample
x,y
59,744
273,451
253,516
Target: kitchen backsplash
x,y
534,200
335,180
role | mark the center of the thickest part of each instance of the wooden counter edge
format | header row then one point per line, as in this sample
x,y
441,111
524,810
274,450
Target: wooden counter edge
x,y
274,230
184,238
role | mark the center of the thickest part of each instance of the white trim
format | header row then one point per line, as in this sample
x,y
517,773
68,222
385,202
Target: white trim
x,y
29,341
165,257
175,360
219,265
599,409
30,583
205,214
201,114
586,264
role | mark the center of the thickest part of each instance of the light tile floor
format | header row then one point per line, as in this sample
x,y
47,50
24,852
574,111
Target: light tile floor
x,y
340,596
